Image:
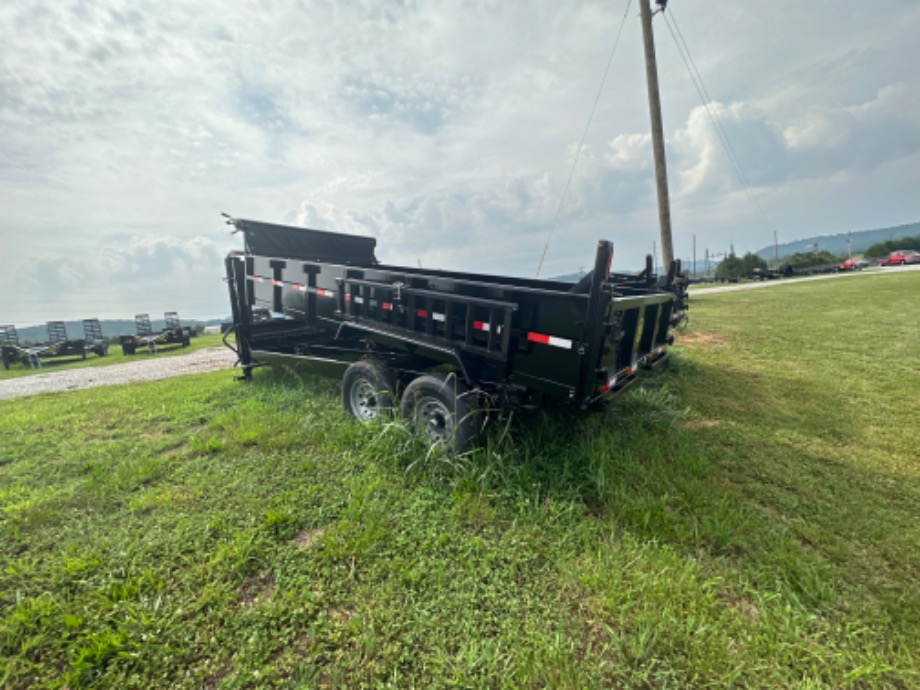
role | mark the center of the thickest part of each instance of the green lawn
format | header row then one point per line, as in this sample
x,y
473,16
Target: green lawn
x,y
747,518
115,356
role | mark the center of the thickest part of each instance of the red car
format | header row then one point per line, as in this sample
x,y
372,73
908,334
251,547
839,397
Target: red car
x,y
851,265
900,257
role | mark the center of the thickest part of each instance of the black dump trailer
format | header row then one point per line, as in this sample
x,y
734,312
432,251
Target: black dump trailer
x,y
172,334
57,345
443,347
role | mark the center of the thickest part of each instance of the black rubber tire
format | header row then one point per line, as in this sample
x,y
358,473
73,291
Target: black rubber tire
x,y
128,349
442,411
369,390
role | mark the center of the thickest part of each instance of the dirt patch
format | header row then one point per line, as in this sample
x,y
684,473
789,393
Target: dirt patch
x,y
702,339
307,539
341,614
693,424
172,450
741,606
768,509
256,590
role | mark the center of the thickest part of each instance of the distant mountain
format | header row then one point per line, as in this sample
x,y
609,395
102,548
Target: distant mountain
x,y
860,241
568,278
112,328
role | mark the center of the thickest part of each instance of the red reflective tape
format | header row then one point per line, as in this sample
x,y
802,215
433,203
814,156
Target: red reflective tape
x,y
256,279
480,326
295,286
387,305
549,340
277,283
324,293
348,298
422,313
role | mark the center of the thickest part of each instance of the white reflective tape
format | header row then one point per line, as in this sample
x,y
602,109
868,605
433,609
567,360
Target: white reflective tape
x,y
560,342
438,317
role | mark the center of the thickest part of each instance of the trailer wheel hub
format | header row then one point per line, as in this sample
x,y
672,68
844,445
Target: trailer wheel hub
x,y
434,418
364,401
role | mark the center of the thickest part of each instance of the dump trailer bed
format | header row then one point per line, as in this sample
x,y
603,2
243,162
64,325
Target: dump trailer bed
x,y
494,335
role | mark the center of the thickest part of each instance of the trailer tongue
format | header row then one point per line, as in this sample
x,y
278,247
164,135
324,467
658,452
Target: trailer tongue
x,y
447,341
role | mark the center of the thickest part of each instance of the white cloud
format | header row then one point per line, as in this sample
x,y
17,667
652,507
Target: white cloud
x,y
446,130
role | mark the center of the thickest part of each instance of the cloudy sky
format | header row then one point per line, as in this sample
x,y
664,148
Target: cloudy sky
x,y
446,129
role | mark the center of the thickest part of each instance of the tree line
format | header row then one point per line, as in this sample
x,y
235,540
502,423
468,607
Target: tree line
x,y
880,250
742,267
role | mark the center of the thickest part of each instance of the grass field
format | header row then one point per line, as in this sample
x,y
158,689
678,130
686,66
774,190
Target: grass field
x,y
115,356
747,518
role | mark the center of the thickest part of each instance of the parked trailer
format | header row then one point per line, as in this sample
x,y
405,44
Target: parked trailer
x,y
173,334
57,345
443,346
9,345
92,335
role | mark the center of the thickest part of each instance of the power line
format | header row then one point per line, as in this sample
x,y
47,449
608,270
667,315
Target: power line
x,y
584,135
684,50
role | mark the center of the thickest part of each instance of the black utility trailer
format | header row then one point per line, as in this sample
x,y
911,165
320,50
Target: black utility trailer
x,y
9,345
57,345
449,345
93,338
173,334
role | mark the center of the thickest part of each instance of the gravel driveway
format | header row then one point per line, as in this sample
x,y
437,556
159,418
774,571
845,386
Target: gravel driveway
x,y
208,359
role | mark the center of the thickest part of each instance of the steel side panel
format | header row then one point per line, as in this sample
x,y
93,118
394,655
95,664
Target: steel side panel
x,y
540,309
557,314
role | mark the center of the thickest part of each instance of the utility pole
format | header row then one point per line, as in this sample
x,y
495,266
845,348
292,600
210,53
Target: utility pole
x,y
654,106
654,257
775,250
694,256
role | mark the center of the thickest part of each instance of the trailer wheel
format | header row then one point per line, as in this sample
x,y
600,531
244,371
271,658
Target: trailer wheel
x,y
442,411
127,349
368,390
